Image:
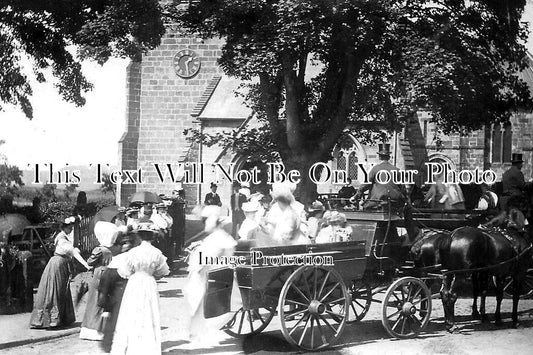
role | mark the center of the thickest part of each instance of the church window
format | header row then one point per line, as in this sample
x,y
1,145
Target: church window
x,y
502,139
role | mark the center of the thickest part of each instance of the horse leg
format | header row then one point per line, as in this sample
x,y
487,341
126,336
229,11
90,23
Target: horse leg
x,y
483,286
448,302
499,298
475,293
516,297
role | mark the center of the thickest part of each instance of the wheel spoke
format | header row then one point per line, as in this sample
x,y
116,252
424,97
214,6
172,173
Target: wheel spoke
x,y
322,336
354,310
414,317
305,331
250,321
337,300
359,304
315,283
300,292
296,302
417,293
403,325
420,301
394,314
334,314
330,291
306,286
312,332
241,322
396,296
323,284
397,321
299,321
258,315
327,323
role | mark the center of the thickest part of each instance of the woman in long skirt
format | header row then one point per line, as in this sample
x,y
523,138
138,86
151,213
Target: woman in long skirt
x,y
111,290
138,329
106,233
53,305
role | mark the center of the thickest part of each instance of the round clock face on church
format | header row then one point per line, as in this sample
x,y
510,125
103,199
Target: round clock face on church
x,y
186,63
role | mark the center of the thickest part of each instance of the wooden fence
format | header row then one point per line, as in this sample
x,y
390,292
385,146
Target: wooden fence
x,y
84,237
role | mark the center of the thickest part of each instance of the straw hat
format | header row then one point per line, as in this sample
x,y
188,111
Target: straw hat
x,y
250,206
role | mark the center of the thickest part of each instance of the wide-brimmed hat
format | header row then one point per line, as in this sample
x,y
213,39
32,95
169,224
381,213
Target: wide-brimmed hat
x,y
250,206
161,205
106,233
121,209
384,149
282,190
146,227
316,206
336,217
517,158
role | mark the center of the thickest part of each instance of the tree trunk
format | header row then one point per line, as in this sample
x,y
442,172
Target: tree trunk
x,y
306,191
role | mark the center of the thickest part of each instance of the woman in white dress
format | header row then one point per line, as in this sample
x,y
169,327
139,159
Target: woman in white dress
x,y
138,329
217,243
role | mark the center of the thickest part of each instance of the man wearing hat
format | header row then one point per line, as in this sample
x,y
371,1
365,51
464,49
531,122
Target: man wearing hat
x,y
513,181
212,198
237,214
382,191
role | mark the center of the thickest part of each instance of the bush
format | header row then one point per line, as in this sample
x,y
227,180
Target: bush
x,y
56,211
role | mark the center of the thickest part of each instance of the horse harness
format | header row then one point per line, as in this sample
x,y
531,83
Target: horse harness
x,y
515,244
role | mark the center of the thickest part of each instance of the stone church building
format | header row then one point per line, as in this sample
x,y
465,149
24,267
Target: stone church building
x,y
179,86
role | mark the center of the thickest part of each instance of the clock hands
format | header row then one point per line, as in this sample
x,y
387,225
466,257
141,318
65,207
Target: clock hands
x,y
187,64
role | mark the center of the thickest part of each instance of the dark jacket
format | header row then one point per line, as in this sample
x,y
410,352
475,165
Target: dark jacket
x,y
212,199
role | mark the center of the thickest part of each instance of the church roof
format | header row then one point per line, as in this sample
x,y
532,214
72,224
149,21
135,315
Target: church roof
x,y
220,101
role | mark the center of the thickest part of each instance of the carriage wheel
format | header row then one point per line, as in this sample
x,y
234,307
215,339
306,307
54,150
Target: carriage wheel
x,y
525,291
361,295
313,307
249,322
406,307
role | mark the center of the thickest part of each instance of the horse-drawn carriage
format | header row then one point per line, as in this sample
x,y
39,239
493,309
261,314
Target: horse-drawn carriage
x,y
315,300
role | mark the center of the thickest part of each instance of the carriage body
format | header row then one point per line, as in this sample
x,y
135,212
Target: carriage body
x,y
369,264
260,281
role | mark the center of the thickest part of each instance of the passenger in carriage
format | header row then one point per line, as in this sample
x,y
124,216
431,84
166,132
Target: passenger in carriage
x,y
315,220
444,196
382,191
336,230
284,218
250,222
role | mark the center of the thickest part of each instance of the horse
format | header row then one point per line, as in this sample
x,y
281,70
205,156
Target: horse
x,y
485,252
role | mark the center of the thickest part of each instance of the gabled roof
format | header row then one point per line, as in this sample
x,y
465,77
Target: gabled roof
x,y
220,101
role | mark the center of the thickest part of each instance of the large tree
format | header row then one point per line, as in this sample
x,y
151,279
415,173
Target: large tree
x,y
56,35
322,67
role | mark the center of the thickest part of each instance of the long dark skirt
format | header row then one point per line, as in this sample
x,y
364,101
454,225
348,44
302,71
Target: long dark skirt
x,y
53,305
93,314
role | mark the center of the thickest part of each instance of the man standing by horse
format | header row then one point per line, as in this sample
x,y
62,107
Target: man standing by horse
x,y
396,193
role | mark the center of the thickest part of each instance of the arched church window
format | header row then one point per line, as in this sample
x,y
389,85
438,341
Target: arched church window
x,y
346,157
502,140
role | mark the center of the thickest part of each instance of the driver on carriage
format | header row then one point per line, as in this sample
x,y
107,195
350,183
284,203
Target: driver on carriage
x,y
396,193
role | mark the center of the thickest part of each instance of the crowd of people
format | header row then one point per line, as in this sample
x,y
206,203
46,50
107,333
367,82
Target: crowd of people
x,y
122,306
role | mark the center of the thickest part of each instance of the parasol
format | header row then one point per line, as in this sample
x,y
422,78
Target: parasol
x,y
145,197
106,214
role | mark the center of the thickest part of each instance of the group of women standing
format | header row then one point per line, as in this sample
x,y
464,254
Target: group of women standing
x,y
123,302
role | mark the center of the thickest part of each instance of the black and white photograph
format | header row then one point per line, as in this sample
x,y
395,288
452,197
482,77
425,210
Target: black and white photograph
x,y
266,177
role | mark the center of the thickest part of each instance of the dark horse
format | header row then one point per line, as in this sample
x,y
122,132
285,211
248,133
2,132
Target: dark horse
x,y
485,252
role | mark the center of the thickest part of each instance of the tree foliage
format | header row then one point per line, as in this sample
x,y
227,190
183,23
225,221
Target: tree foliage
x,y
108,185
45,30
322,66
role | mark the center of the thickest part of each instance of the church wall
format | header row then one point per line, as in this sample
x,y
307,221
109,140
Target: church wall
x,y
163,111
